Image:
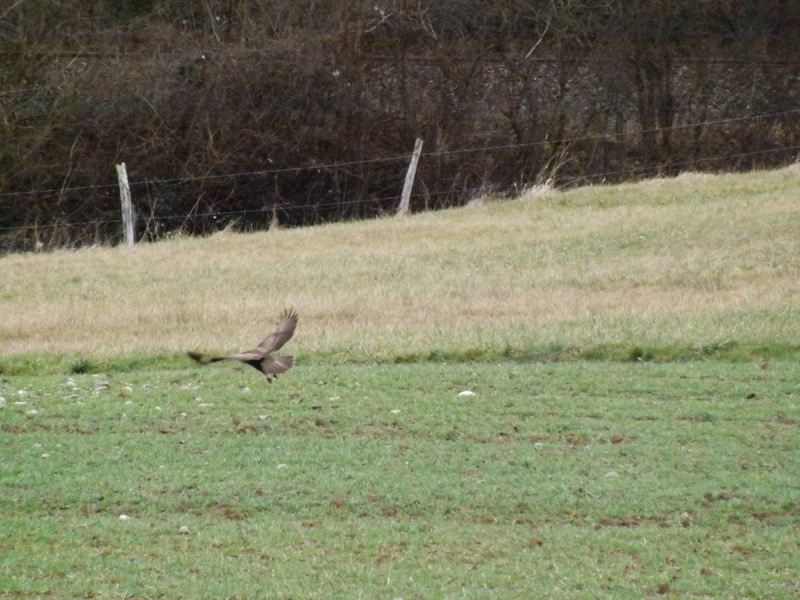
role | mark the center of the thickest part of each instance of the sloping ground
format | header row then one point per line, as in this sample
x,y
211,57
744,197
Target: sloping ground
x,y
698,264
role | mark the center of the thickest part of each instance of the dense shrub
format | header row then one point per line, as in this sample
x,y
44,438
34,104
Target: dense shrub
x,y
245,111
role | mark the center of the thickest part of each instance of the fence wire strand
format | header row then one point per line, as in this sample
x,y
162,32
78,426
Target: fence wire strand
x,y
394,198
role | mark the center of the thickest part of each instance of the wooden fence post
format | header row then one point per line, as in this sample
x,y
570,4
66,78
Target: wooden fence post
x,y
127,207
409,183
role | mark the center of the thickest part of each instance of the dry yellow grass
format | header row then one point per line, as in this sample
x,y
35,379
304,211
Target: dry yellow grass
x,y
693,260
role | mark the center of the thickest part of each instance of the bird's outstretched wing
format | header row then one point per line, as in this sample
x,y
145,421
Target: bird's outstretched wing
x,y
204,359
280,335
258,357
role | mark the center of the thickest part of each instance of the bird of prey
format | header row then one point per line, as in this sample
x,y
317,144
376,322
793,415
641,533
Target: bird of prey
x,y
260,357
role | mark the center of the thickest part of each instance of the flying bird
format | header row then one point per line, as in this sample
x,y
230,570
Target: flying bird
x,y
260,357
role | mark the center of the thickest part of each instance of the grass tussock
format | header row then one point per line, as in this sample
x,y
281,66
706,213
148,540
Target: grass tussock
x,y
665,266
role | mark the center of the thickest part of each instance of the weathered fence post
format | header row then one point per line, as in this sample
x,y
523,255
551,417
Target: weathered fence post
x,y
127,207
409,183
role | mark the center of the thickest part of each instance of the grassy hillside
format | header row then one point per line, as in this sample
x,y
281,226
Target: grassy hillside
x,y
660,269
134,473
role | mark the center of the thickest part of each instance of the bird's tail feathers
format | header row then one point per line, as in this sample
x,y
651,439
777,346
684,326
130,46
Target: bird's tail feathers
x,y
282,363
272,366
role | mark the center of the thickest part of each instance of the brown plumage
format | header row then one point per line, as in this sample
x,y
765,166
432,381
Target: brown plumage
x,y
259,357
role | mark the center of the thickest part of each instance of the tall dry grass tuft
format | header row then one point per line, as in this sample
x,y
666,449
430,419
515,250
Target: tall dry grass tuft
x,y
683,261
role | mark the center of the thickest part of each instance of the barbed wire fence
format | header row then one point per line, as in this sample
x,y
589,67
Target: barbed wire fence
x,y
389,202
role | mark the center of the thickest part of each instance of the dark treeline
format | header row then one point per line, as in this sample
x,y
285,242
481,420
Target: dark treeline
x,y
306,111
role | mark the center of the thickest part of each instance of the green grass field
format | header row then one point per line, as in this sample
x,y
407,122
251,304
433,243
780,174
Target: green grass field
x,y
579,479
632,350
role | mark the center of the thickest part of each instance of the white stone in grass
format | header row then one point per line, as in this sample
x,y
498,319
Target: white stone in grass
x,y
395,411
263,417
32,411
183,530
124,517
466,393
22,392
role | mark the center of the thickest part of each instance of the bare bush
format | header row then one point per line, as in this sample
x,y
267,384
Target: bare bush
x,y
257,113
